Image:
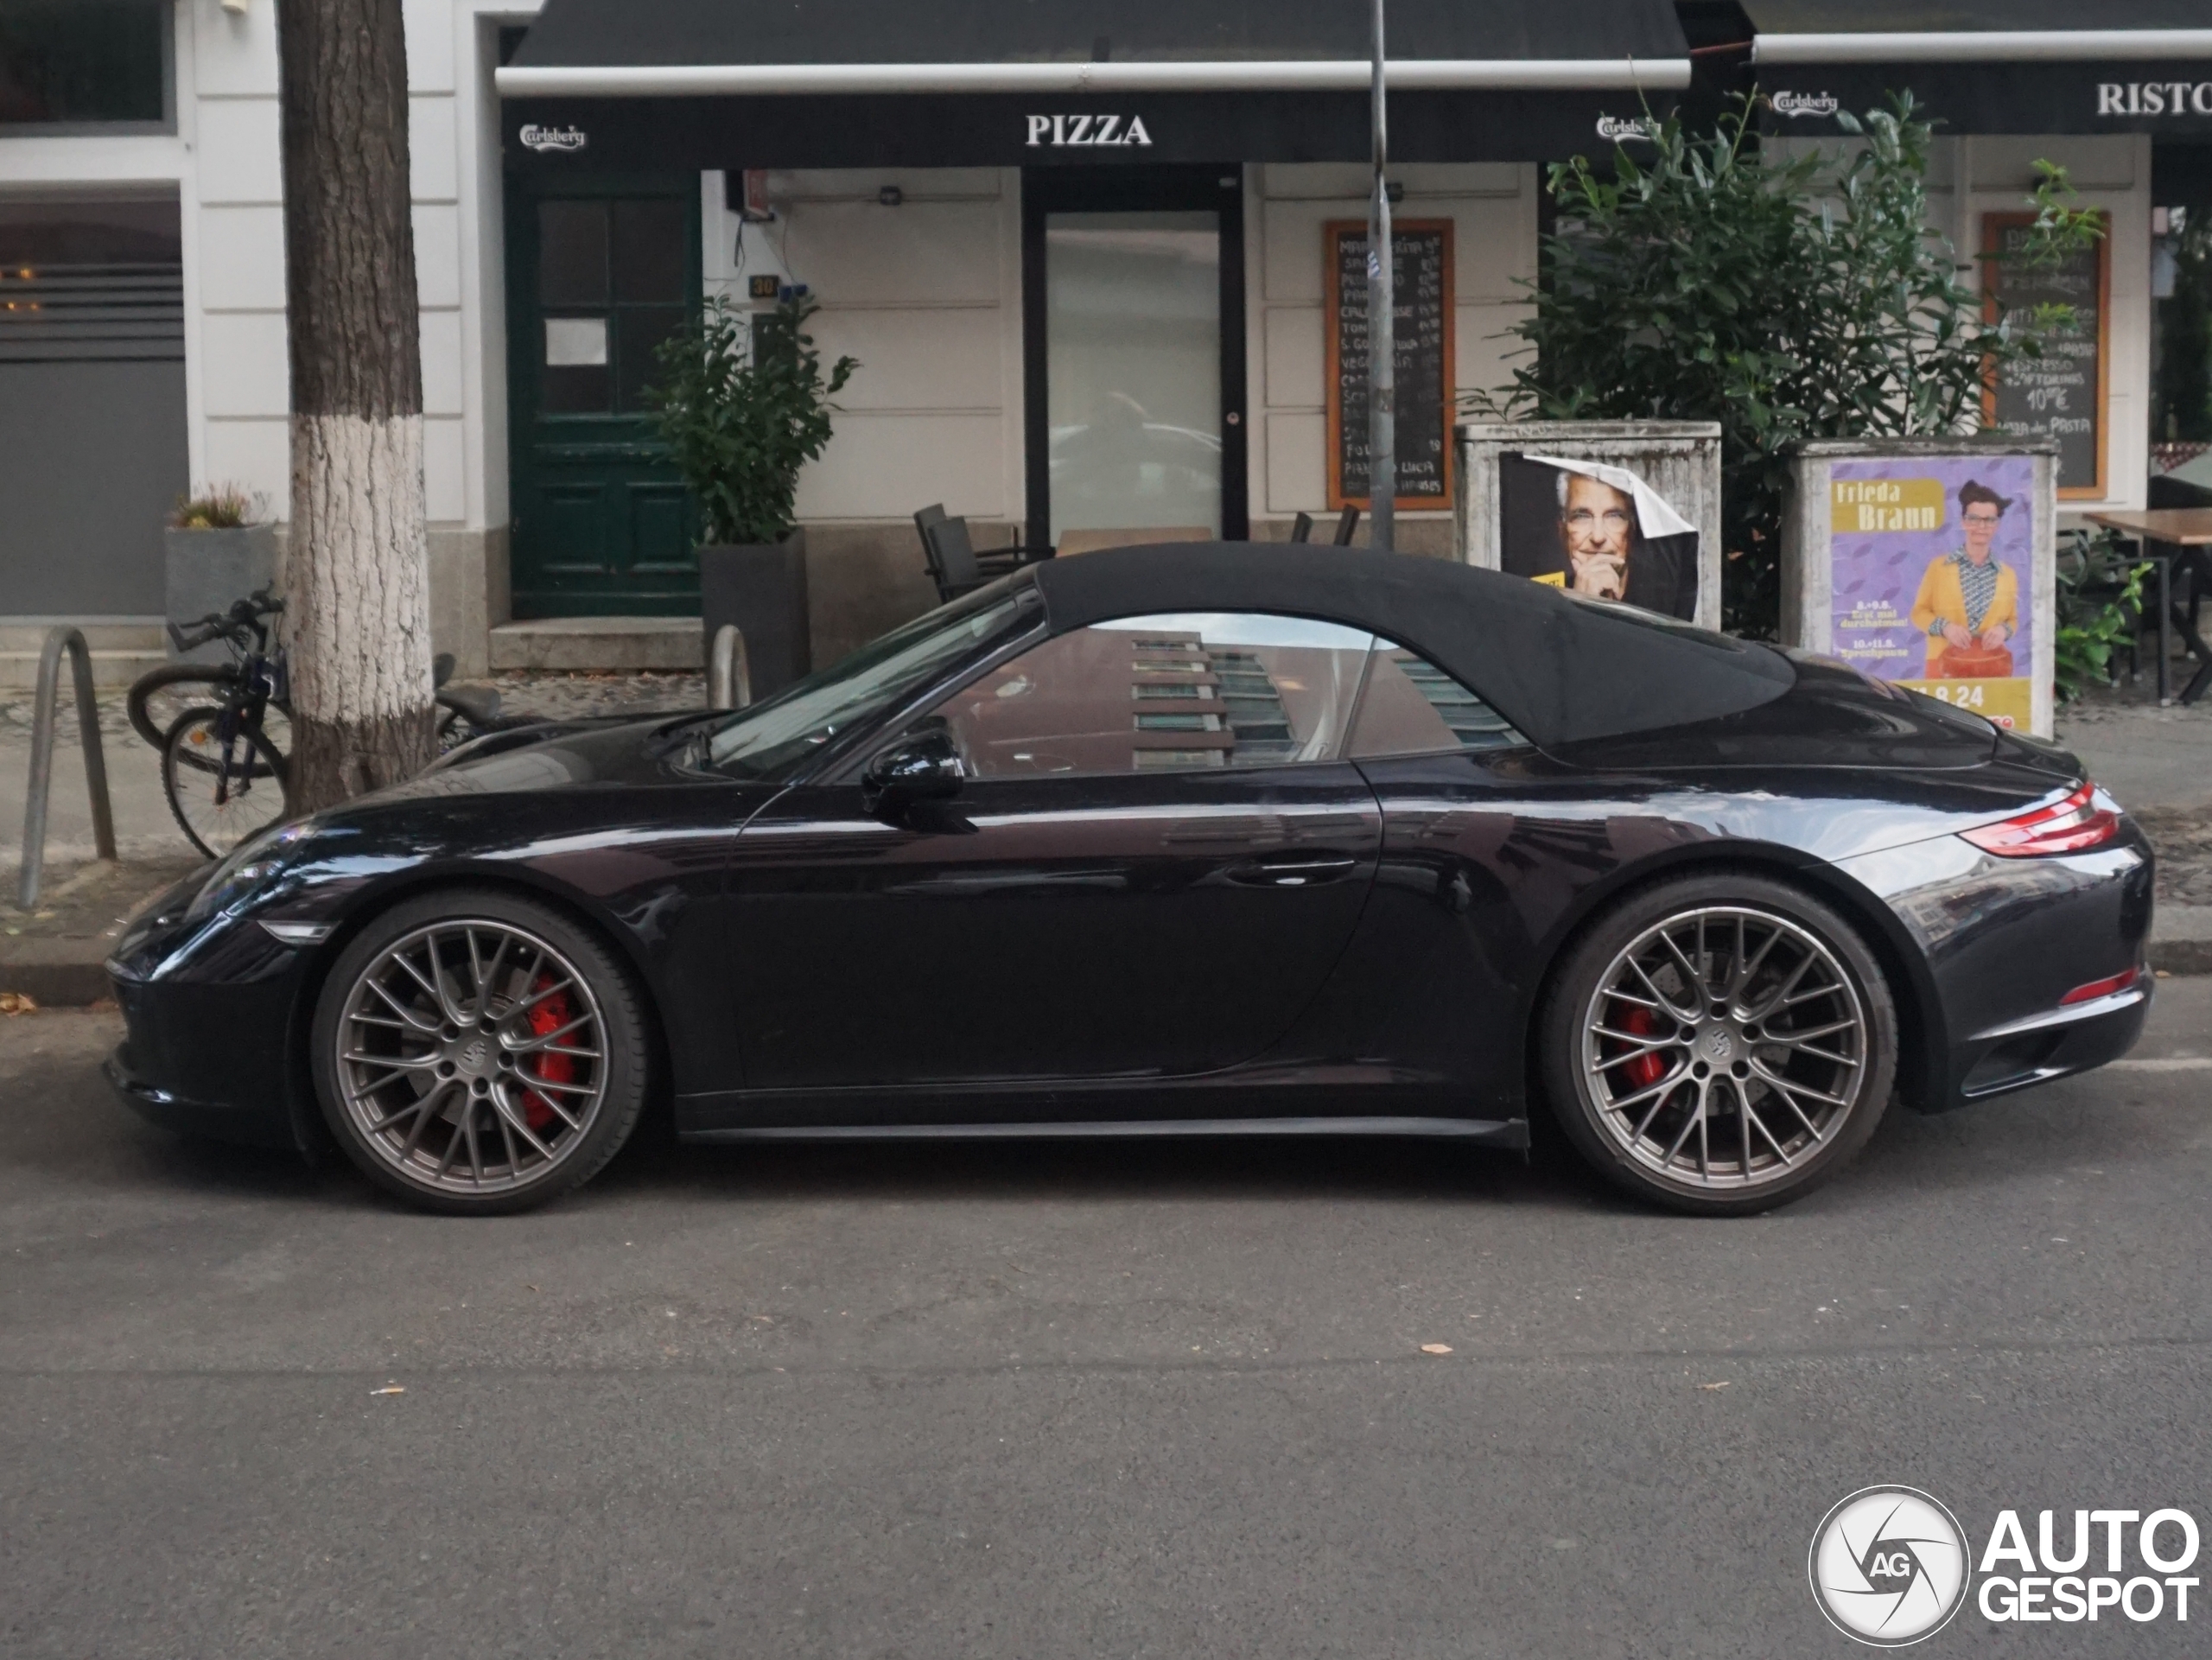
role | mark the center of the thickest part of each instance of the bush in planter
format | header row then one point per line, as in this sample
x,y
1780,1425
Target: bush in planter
x,y
217,507
1785,296
740,424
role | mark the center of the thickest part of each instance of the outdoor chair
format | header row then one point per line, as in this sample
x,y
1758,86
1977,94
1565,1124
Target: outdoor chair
x,y
1301,528
951,556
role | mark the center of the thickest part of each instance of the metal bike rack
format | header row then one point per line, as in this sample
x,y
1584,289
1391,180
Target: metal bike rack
x,y
42,783
729,676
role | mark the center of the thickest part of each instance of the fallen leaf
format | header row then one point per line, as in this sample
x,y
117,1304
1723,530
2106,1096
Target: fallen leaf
x,y
390,1389
16,1002
1722,1384
1436,1348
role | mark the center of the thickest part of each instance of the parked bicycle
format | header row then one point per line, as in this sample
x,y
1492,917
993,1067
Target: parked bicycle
x,y
223,770
224,729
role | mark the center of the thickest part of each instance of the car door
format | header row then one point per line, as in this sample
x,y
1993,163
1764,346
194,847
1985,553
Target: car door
x,y
1153,861
1438,975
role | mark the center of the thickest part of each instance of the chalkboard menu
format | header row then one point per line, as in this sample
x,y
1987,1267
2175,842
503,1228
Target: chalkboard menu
x,y
2061,394
1422,252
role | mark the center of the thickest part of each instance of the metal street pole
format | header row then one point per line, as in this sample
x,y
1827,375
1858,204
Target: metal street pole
x,y
1382,333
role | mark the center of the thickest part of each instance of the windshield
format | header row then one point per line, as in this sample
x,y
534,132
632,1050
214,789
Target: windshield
x,y
772,739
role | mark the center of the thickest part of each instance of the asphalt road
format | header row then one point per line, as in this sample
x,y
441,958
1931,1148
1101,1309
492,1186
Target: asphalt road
x,y
1071,1400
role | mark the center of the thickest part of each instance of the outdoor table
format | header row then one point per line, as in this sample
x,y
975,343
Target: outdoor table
x,y
2172,537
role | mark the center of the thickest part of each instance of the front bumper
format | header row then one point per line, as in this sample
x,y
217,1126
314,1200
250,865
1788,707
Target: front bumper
x,y
248,1122
210,1013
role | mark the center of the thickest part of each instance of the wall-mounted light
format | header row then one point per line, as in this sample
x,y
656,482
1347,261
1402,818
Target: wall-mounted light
x,y
744,193
236,7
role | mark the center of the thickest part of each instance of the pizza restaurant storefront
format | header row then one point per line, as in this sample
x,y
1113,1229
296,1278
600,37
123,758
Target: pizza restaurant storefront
x,y
1101,265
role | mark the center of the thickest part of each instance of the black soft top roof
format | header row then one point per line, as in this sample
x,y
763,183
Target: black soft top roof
x,y
1561,669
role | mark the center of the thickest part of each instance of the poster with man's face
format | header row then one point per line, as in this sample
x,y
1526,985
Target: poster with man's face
x,y
1597,529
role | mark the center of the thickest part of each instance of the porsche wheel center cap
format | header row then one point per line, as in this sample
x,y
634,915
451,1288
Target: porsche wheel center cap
x,y
1718,1045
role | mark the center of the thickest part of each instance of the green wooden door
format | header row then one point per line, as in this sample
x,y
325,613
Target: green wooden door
x,y
599,272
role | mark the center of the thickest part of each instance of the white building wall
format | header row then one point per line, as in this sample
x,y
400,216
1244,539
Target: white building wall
x,y
927,295
1492,207
225,161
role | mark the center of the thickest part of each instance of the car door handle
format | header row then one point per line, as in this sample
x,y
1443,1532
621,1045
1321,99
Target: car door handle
x,y
1307,872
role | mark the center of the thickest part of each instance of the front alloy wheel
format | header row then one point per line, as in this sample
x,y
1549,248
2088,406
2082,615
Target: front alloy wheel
x,y
478,1052
1732,1044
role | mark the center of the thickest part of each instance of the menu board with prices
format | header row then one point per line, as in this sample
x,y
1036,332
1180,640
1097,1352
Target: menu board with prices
x,y
2063,393
1421,252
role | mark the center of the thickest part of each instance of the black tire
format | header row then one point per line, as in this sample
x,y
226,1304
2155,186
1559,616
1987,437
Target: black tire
x,y
216,681
407,1095
1755,1093
206,682
256,793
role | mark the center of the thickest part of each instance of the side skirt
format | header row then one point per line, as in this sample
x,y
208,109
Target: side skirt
x,y
1488,1132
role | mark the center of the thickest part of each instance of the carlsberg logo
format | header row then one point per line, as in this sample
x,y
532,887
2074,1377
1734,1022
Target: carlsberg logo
x,y
553,138
1805,104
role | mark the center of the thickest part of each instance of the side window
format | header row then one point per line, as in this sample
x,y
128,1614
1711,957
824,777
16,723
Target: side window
x,y
1413,708
1181,692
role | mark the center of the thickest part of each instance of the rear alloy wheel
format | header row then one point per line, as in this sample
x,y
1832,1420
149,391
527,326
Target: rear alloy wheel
x,y
1720,1044
477,1053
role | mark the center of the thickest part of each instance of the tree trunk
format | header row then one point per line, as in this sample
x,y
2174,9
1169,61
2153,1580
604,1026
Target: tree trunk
x,y
356,576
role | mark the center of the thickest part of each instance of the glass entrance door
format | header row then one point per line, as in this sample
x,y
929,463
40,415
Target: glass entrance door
x,y
1134,288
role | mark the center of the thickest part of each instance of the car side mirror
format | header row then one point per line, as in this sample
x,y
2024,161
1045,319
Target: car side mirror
x,y
923,765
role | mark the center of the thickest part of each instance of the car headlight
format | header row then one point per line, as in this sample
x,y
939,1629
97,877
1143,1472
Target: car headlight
x,y
246,869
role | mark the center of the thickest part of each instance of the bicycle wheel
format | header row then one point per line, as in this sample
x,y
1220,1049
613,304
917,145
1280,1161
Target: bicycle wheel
x,y
159,696
220,798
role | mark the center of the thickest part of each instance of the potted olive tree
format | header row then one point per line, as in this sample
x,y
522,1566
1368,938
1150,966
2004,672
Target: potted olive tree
x,y
743,404
218,547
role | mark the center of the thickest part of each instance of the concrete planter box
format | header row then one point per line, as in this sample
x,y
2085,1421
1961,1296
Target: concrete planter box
x,y
210,570
761,588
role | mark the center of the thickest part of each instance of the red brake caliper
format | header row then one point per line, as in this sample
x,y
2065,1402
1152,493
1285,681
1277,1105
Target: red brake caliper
x,y
549,1014
1647,1068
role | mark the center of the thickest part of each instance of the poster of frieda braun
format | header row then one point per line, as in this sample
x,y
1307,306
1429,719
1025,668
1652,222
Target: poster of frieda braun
x,y
1932,563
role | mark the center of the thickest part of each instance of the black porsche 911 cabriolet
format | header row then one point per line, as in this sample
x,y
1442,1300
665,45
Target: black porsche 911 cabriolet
x,y
1187,840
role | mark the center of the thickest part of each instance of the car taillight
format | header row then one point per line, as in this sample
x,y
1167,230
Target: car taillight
x,y
2068,826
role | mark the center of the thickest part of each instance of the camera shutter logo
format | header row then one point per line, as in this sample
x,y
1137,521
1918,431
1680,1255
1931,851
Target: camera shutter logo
x,y
1889,1565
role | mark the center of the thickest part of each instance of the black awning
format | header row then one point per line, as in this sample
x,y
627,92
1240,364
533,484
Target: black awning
x,y
830,83
1990,65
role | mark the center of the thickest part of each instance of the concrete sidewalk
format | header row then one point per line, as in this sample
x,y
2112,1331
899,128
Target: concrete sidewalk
x,y
2157,761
